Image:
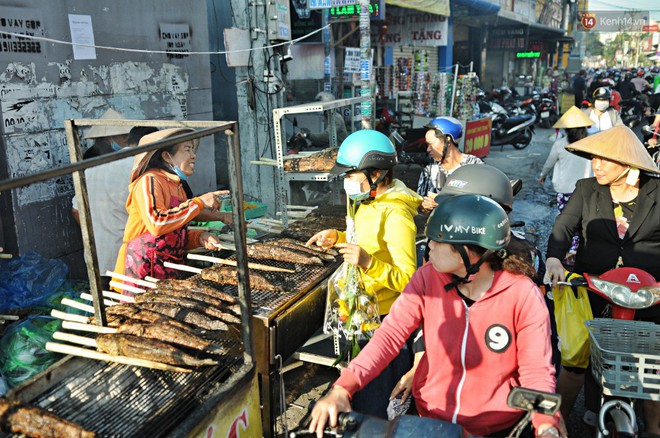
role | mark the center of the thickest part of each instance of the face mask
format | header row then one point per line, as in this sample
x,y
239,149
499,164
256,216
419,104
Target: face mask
x,y
354,190
115,147
602,105
177,170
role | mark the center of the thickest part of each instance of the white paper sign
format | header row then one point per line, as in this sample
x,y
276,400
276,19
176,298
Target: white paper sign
x,y
82,33
352,60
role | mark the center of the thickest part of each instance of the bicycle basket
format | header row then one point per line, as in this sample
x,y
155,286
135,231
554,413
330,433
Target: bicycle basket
x,y
625,357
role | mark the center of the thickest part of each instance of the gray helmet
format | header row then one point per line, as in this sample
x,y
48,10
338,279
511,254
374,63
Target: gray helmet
x,y
469,220
480,179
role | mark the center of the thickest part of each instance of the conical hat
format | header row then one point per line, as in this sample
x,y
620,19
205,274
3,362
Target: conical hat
x,y
109,130
618,144
141,160
573,118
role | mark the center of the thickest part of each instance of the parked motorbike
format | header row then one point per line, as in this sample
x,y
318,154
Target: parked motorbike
x,y
621,355
514,130
409,143
356,425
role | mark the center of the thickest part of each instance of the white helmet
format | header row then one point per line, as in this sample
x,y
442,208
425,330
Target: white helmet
x,y
324,96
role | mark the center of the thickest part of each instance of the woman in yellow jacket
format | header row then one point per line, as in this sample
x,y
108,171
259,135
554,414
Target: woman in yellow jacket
x,y
385,230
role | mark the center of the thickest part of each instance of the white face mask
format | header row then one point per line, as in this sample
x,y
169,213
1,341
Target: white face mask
x,y
354,189
602,105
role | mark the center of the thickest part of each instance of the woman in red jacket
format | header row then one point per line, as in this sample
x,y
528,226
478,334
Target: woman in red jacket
x,y
485,325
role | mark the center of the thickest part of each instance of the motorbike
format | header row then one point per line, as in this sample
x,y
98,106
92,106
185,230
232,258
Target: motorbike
x,y
631,112
514,130
356,425
409,143
621,354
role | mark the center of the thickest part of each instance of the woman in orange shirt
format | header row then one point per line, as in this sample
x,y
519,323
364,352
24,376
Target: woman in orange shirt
x,y
160,205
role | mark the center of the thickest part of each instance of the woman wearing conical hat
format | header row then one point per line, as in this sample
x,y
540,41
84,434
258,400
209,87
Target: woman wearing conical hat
x,y
567,168
618,215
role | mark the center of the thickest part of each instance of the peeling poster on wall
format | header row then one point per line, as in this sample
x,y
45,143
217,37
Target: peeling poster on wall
x,y
22,21
175,38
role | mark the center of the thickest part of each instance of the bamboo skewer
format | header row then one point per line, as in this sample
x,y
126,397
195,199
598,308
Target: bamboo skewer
x,y
8,317
152,279
69,316
75,339
227,246
131,279
89,297
116,296
182,267
76,305
251,265
91,354
127,287
72,325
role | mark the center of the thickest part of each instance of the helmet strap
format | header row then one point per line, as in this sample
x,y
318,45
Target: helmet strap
x,y
373,185
470,268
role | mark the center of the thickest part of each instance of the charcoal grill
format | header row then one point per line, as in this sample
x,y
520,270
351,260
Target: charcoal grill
x,y
283,321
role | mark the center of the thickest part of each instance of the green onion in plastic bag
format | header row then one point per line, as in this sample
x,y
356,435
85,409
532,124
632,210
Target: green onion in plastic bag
x,y
22,348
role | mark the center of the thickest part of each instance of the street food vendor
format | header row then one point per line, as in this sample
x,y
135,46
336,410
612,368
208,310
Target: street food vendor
x,y
160,204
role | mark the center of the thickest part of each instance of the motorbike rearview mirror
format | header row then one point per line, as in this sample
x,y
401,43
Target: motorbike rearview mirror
x,y
532,400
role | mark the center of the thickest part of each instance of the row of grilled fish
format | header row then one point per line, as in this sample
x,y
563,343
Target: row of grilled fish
x,y
25,420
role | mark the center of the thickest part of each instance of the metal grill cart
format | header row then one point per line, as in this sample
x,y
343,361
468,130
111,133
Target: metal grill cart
x,y
284,178
120,400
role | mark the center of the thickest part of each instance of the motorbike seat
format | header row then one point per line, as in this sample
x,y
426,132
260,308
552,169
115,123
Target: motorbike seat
x,y
516,120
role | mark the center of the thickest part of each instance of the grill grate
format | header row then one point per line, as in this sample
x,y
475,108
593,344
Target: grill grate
x,y
116,400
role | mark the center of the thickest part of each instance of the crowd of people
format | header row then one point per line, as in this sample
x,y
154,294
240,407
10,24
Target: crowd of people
x,y
475,310
469,320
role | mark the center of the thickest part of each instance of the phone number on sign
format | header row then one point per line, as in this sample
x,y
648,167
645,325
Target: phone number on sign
x,y
20,47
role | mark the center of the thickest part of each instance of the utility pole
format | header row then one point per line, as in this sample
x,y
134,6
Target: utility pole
x,y
256,100
365,63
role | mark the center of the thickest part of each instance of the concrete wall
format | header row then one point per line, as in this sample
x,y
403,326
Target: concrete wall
x,y
43,83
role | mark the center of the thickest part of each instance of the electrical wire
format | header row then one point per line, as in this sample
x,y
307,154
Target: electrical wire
x,y
165,52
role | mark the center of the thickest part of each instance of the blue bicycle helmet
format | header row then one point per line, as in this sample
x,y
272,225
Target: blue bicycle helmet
x,y
447,126
365,149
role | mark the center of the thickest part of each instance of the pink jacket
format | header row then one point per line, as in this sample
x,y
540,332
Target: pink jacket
x,y
474,356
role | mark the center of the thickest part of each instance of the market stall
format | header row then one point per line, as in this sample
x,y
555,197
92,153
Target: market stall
x,y
280,310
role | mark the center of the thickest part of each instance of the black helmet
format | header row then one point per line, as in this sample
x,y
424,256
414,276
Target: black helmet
x,y
602,93
480,179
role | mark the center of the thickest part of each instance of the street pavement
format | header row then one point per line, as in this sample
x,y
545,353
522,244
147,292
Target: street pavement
x,y
304,382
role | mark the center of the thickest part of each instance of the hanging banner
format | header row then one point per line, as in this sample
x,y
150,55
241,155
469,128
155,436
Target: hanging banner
x,y
477,137
408,27
439,7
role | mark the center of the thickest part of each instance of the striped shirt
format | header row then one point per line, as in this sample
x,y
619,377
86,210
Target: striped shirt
x,y
433,177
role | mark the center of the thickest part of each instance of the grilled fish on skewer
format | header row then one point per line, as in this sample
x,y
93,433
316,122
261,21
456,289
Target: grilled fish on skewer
x,y
193,286
173,335
186,315
130,311
291,244
197,306
31,421
265,251
227,275
150,349
331,251
211,301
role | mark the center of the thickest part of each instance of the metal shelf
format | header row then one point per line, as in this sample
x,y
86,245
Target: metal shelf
x,y
283,178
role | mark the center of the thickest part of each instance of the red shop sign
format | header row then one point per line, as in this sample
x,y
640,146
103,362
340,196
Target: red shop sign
x,y
477,137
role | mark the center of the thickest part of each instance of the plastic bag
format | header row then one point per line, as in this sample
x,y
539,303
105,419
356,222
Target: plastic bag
x,y
27,280
23,348
572,309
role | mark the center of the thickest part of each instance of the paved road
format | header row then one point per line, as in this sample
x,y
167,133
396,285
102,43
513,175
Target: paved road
x,y
308,382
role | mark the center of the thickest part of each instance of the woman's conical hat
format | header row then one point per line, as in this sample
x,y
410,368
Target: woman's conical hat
x,y
618,144
573,118
141,160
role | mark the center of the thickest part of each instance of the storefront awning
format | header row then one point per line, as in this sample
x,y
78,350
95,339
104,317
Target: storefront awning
x,y
438,7
479,7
